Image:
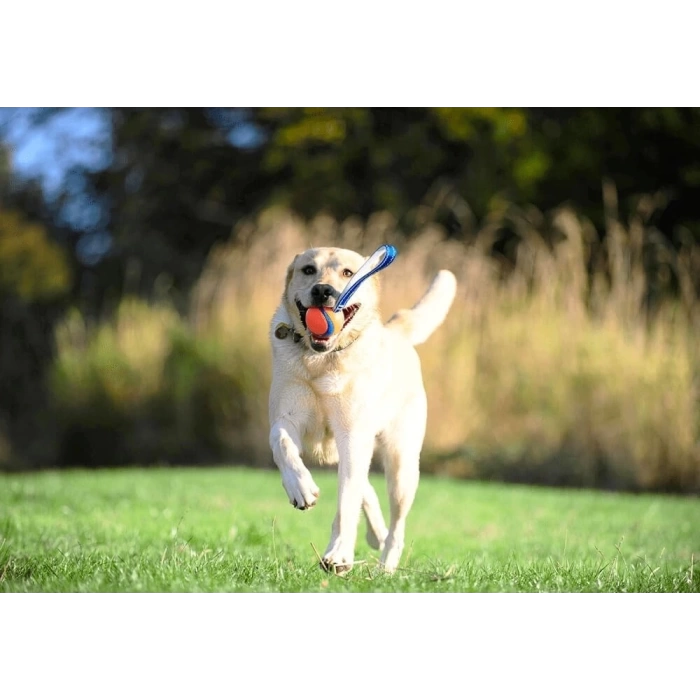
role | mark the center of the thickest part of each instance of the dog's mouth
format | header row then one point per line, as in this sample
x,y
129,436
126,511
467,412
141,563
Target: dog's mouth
x,y
321,343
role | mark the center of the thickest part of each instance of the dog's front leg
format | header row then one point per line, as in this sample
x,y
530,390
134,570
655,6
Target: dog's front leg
x,y
285,442
355,454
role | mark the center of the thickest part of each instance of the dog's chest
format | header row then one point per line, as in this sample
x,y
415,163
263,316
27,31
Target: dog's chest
x,y
330,383
326,375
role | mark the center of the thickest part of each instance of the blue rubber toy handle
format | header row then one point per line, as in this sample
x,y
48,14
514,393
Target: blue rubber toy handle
x,y
381,258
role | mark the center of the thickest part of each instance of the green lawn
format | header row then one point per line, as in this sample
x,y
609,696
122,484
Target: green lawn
x,y
233,530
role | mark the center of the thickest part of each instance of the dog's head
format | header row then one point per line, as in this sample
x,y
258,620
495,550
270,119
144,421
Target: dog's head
x,y
316,277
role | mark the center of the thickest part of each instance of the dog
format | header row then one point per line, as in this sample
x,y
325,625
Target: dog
x,y
339,399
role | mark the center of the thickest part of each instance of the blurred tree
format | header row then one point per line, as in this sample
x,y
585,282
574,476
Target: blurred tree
x,y
642,150
175,186
32,266
180,179
35,284
356,161
166,184
177,180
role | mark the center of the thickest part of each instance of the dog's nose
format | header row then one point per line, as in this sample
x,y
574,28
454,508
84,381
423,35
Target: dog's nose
x,y
321,293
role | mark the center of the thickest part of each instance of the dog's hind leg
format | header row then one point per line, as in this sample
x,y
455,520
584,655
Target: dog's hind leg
x,y
376,529
401,465
402,481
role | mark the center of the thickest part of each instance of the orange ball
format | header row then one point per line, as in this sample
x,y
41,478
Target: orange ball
x,y
323,321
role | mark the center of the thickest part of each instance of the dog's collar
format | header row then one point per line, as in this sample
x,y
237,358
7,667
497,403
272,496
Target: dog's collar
x,y
282,331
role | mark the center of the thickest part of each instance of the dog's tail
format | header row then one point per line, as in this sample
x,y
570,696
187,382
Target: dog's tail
x,y
417,324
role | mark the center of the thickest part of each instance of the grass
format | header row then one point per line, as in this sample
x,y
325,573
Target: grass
x,y
232,529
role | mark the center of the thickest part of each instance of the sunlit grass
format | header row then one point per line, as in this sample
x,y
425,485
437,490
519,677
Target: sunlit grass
x,y
231,529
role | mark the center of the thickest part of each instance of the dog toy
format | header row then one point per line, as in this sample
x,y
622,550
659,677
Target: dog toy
x,y
324,321
380,259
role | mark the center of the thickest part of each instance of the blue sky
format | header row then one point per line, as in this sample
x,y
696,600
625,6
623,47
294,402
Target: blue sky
x,y
49,148
47,144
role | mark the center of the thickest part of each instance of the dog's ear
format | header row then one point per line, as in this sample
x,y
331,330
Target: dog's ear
x,y
290,272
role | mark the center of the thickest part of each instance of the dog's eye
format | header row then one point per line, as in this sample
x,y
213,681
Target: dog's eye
x,y
347,273
308,269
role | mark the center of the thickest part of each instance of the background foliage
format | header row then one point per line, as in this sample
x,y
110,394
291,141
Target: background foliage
x,y
135,293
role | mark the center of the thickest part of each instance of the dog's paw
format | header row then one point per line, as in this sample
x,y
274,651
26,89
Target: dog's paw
x,y
301,489
337,560
391,555
333,567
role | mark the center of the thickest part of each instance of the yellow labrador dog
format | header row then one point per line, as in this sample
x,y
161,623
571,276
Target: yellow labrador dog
x,y
342,397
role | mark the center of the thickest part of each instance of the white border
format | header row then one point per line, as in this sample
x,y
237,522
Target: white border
x,y
502,53
296,645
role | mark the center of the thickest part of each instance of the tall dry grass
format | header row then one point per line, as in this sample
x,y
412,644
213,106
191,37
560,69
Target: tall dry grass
x,y
550,368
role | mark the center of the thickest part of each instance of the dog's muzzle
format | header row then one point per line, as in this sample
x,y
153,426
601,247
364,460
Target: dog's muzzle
x,y
324,295
319,343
